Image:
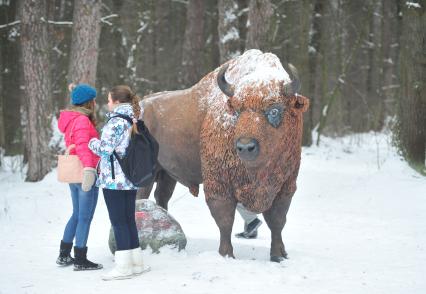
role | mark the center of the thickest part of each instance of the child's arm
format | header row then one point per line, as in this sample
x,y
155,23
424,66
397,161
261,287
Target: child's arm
x,y
112,134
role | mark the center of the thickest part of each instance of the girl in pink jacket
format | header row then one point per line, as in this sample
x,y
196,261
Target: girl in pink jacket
x,y
78,125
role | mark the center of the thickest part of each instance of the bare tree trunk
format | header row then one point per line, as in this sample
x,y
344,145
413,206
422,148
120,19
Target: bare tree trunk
x,y
35,53
374,95
229,36
316,55
85,41
192,63
211,25
388,82
59,40
10,71
2,130
260,12
164,43
412,106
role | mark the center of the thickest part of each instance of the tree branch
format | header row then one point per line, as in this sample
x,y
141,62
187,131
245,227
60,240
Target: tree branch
x,y
61,23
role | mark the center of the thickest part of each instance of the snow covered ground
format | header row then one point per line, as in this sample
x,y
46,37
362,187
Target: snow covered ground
x,y
357,224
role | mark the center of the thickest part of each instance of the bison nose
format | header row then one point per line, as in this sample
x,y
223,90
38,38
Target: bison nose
x,y
247,148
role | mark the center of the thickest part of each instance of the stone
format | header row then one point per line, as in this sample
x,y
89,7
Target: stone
x,y
156,228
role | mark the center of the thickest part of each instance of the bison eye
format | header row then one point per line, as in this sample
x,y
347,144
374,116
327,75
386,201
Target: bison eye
x,y
274,112
274,115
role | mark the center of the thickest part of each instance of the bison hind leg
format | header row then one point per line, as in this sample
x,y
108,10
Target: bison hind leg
x,y
143,193
164,190
282,255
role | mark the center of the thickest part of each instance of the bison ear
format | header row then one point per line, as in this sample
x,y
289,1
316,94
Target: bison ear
x,y
301,103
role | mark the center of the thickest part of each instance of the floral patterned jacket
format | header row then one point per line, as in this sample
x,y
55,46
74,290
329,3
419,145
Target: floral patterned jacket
x,y
115,136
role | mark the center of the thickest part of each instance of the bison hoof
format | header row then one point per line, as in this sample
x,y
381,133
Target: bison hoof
x,y
277,258
228,255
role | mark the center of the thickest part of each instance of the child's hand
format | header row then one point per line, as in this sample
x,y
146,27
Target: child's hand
x,y
89,177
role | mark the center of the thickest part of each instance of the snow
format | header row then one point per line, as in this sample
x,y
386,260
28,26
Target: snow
x,y
56,142
352,228
324,110
413,5
258,68
311,49
231,34
230,14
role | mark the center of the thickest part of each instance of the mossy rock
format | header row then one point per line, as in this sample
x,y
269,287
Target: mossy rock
x,y
156,228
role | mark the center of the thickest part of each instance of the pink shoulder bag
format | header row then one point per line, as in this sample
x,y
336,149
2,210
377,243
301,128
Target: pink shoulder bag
x,y
70,168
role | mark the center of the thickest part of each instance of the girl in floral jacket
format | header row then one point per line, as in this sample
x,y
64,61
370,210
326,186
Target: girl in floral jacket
x,y
119,192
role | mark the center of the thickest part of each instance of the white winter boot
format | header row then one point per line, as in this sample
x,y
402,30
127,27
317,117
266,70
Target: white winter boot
x,y
137,262
123,266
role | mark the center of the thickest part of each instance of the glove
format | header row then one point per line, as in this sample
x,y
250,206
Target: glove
x,y
89,177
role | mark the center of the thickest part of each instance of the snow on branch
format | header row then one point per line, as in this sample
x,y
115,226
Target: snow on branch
x,y
181,1
232,34
104,19
60,23
63,23
10,24
413,5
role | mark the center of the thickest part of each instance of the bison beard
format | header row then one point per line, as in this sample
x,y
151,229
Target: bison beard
x,y
198,128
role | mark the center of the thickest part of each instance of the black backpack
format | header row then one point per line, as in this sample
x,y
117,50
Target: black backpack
x,y
140,160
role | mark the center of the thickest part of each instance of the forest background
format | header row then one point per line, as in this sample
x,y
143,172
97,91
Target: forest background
x,y
362,63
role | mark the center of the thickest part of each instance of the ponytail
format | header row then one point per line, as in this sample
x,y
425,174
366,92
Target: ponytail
x,y
135,105
136,110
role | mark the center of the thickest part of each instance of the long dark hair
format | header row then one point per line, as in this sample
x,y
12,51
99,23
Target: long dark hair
x,y
124,94
90,105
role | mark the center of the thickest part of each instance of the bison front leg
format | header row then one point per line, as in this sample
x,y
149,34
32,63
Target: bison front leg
x,y
275,217
223,212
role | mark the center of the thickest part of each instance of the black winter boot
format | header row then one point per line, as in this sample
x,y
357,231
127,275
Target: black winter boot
x,y
250,230
64,257
81,263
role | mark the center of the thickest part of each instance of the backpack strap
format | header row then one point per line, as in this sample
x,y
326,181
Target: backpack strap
x,y
123,116
111,157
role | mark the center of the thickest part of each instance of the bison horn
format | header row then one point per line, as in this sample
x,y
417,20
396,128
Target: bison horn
x,y
294,86
226,88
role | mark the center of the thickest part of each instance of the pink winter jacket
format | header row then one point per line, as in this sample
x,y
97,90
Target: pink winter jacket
x,y
78,130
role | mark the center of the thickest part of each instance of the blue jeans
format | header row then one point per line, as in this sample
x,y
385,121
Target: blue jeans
x,y
121,211
83,208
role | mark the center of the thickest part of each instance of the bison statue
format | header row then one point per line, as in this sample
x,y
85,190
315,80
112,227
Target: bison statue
x,y
238,132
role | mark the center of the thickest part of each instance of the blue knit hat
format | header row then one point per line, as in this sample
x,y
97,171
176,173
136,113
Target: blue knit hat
x,y
82,93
